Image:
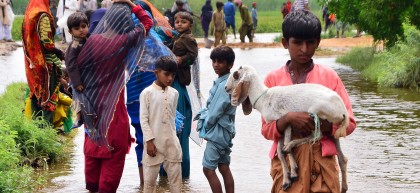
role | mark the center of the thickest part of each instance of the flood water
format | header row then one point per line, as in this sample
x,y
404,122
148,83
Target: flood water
x,y
383,152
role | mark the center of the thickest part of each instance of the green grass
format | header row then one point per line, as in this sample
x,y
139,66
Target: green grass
x,y
17,28
23,142
397,67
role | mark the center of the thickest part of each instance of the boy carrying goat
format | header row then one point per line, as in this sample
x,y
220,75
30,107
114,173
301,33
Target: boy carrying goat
x,y
317,169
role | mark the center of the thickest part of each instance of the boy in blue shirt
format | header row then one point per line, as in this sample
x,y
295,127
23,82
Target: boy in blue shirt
x,y
218,123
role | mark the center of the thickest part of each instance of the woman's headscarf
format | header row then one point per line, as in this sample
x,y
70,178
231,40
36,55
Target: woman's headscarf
x,y
104,64
35,63
95,18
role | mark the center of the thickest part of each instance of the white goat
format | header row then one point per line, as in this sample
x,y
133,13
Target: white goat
x,y
245,86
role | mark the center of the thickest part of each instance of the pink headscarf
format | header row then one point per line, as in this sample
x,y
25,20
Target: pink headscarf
x,y
239,2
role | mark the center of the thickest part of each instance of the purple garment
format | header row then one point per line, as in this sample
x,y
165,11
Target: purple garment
x,y
95,18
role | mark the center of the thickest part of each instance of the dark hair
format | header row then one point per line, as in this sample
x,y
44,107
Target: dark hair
x,y
219,4
179,2
89,13
301,24
75,19
223,53
166,63
184,15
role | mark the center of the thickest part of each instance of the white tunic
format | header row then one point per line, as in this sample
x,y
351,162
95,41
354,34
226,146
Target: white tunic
x,y
157,119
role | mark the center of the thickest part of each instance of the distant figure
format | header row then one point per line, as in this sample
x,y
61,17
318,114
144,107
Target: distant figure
x,y
229,10
340,25
326,17
6,17
284,10
90,5
254,16
179,8
247,24
300,5
289,6
206,15
106,4
219,25
70,6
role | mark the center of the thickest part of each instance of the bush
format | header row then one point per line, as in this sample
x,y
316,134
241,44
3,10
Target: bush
x,y
397,66
13,178
17,27
358,58
24,143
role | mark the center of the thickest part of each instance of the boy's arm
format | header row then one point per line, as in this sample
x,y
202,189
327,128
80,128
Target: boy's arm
x,y
144,116
218,110
71,64
192,52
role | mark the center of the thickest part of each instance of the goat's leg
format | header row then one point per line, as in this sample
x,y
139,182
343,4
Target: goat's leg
x,y
286,174
292,160
342,162
292,144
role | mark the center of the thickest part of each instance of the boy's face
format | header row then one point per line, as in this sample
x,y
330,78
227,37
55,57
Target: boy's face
x,y
301,51
221,67
164,78
182,25
81,31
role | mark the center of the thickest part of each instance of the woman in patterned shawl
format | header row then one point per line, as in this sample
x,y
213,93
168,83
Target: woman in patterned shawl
x,y
42,60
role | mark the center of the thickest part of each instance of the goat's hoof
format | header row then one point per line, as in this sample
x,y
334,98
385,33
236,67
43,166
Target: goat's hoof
x,y
293,178
343,189
286,185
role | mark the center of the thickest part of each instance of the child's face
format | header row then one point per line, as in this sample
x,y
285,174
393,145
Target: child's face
x,y
182,25
301,51
221,67
80,31
164,78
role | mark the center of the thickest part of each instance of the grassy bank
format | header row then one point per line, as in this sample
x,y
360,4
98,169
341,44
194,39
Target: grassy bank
x,y
398,66
24,145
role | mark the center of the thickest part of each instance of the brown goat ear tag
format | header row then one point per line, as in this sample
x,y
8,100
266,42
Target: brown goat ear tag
x,y
236,75
247,106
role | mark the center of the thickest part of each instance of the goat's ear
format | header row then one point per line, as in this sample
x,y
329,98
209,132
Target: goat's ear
x,y
244,91
247,106
236,94
236,75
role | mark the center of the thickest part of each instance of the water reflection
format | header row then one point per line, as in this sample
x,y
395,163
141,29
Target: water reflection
x,y
383,152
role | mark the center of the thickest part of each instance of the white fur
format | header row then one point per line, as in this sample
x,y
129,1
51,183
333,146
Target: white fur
x,y
279,100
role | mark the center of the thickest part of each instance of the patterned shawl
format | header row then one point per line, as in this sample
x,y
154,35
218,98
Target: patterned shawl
x,y
35,64
104,64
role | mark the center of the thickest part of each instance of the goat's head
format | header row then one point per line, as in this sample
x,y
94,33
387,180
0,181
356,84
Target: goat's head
x,y
237,86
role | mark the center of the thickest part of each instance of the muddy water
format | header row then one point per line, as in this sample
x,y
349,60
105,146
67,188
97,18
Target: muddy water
x,y
383,152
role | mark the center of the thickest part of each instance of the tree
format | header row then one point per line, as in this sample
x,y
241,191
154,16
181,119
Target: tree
x,y
382,18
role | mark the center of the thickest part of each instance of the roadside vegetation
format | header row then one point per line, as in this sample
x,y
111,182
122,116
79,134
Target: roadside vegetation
x,y
26,145
397,66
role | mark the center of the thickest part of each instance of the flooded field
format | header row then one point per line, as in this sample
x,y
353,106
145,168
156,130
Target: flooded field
x,y
383,152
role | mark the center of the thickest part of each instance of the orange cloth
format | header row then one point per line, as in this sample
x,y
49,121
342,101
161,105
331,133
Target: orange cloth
x,y
316,173
35,64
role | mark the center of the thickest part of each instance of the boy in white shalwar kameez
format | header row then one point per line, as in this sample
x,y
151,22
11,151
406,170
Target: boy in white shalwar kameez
x,y
157,118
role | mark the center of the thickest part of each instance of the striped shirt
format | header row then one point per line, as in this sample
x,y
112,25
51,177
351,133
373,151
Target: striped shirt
x,y
300,4
47,39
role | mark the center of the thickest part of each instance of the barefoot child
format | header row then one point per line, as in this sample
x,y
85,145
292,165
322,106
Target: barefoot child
x,y
78,25
186,50
219,25
157,120
218,126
